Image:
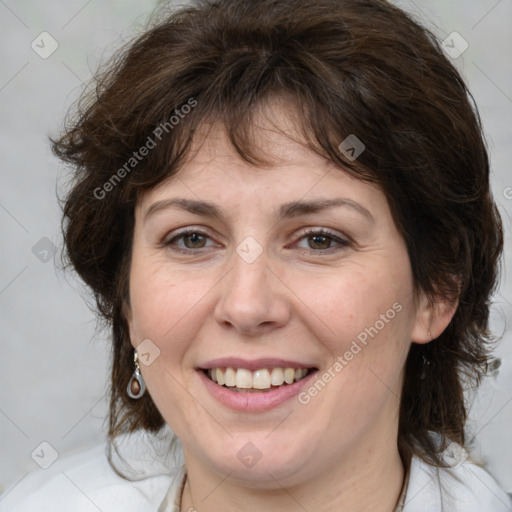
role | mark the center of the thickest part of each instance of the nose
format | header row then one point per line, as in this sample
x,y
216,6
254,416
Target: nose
x,y
253,300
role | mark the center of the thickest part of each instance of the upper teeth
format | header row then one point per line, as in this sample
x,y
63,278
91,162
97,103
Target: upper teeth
x,y
259,379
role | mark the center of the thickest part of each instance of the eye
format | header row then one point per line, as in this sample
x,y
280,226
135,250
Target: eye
x,y
317,241
189,240
321,240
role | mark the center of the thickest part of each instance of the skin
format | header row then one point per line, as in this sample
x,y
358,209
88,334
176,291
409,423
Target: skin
x,y
295,301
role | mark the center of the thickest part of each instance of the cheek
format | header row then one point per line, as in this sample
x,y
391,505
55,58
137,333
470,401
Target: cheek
x,y
363,318
166,305
150,294
163,305
356,301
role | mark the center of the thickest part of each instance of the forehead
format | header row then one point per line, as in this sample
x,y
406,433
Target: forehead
x,y
275,134
214,170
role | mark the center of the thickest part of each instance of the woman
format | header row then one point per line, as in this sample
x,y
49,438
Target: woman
x,y
283,210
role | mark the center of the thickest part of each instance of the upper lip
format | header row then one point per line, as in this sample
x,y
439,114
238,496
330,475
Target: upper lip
x,y
252,364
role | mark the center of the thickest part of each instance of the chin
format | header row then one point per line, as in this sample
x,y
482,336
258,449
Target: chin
x,y
259,462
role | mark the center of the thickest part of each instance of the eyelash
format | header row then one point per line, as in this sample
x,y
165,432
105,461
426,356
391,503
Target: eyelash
x,y
342,243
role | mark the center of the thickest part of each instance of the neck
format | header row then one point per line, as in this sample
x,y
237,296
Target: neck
x,y
371,485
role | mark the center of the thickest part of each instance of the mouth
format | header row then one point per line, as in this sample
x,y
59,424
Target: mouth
x,y
262,380
254,385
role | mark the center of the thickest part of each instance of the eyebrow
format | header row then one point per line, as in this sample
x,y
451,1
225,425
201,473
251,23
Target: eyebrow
x,y
287,210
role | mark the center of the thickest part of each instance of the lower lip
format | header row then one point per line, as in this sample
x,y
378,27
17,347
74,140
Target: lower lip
x,y
253,401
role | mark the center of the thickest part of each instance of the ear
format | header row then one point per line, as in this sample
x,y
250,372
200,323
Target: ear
x,y
432,318
127,312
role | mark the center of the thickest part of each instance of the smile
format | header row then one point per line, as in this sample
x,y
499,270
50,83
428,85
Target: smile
x,y
254,385
243,380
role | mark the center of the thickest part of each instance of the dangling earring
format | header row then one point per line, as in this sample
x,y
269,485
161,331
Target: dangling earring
x,y
136,385
425,361
425,367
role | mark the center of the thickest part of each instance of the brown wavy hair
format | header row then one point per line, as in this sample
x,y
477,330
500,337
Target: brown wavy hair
x,y
360,67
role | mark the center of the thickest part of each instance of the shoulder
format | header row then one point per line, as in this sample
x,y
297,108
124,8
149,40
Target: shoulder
x,y
86,482
464,487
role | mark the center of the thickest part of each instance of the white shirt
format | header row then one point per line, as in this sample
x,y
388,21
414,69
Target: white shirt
x,y
86,483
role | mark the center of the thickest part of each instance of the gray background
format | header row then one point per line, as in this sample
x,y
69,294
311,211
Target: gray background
x,y
53,365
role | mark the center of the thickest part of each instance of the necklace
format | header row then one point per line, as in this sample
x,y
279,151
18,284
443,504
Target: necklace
x,y
186,485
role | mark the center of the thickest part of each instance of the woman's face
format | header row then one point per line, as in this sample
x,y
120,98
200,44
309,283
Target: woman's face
x,y
298,266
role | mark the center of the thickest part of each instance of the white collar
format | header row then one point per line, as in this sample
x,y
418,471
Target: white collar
x,y
464,488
